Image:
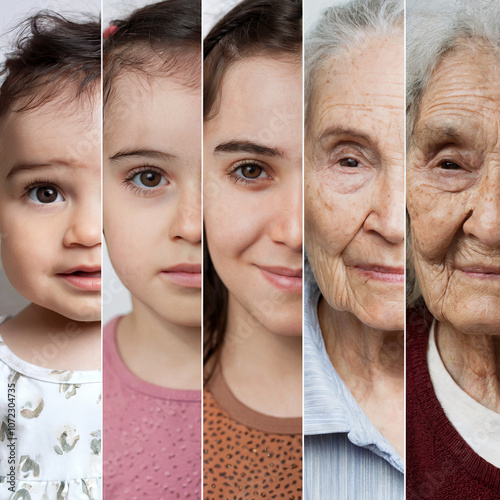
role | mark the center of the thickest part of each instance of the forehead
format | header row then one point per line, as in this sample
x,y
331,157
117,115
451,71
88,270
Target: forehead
x,y
152,111
464,90
261,99
69,132
362,80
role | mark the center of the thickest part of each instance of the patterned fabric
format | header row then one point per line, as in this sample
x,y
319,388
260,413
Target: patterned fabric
x,y
152,434
345,456
247,454
50,432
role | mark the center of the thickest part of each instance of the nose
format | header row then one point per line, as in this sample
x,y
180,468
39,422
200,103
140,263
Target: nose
x,y
84,226
483,220
187,224
386,216
286,217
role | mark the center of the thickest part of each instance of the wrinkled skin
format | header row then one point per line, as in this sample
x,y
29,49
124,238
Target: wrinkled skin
x,y
354,209
453,197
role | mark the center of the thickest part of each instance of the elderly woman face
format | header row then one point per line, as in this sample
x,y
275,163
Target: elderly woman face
x,y
354,206
454,191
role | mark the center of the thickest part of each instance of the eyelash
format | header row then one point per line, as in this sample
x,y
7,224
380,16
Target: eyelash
x,y
38,183
128,181
232,173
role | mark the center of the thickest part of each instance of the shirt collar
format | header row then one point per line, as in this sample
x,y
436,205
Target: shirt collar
x,y
329,406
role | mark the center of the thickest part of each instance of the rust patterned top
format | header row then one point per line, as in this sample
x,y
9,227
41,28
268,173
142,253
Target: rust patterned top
x,y
247,454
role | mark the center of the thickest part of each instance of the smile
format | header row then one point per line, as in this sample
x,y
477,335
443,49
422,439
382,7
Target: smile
x,y
86,278
185,275
283,278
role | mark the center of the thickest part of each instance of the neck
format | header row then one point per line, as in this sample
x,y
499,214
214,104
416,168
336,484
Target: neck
x,y
47,339
473,361
159,350
359,352
262,369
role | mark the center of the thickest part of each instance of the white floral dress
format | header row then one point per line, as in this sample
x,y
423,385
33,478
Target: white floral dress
x,y
50,431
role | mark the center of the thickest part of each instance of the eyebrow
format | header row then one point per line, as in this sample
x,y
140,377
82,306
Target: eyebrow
x,y
19,167
142,153
339,130
247,147
437,133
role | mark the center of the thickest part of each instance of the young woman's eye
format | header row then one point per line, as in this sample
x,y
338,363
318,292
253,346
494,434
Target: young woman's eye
x,y
251,171
45,194
149,179
349,162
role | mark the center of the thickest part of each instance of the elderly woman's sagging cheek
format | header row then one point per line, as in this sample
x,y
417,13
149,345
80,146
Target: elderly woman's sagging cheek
x,y
453,197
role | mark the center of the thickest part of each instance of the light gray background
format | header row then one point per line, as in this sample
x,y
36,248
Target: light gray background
x,y
12,13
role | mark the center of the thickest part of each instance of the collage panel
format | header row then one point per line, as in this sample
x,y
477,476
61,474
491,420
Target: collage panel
x,y
252,168
453,249
354,241
152,226
50,225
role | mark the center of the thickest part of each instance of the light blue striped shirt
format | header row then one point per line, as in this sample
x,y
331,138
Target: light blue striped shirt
x,y
345,456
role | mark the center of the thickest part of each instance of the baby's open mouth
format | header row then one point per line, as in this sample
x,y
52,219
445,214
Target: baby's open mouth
x,y
86,274
86,278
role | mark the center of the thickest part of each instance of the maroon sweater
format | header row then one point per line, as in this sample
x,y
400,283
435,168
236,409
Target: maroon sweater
x,y
440,464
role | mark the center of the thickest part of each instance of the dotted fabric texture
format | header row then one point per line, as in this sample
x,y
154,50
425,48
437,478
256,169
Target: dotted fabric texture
x,y
250,459
152,434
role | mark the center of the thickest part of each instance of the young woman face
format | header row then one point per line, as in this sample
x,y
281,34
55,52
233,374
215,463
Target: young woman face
x,y
152,194
50,204
253,192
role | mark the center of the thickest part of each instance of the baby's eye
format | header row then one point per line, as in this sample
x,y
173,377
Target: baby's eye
x,y
45,195
251,171
349,162
149,179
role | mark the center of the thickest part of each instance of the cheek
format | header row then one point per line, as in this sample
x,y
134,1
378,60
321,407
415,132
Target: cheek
x,y
436,217
332,220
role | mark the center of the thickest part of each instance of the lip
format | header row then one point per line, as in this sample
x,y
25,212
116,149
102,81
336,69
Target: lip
x,y
481,272
83,277
389,274
184,275
285,279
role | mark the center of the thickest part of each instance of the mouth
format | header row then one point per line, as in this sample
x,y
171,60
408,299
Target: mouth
x,y
389,274
481,272
284,278
184,275
85,278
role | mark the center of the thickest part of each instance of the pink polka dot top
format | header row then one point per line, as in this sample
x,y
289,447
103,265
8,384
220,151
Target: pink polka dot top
x,y
151,434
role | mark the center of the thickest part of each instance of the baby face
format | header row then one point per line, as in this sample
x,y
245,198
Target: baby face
x,y
152,188
50,207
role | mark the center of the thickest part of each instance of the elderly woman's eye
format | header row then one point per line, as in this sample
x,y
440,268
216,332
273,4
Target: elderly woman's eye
x,y
449,165
148,179
45,194
349,162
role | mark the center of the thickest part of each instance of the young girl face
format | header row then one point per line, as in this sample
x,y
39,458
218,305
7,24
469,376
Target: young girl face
x,y
152,194
252,191
50,181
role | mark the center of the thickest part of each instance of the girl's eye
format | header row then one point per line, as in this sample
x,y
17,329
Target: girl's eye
x,y
349,162
149,179
449,165
45,194
251,171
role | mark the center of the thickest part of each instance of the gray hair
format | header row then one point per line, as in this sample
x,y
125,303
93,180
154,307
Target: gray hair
x,y
431,36
345,26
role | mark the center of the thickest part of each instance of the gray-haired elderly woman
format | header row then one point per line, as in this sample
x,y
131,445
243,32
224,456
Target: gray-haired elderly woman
x,y
453,198
354,216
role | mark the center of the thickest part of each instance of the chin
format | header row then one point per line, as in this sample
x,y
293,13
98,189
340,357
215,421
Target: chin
x,y
383,318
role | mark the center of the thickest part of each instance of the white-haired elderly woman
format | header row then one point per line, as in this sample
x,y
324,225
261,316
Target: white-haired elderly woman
x,y
453,199
354,220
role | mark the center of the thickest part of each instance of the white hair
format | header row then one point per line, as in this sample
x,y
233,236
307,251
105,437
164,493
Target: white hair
x,y
345,26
